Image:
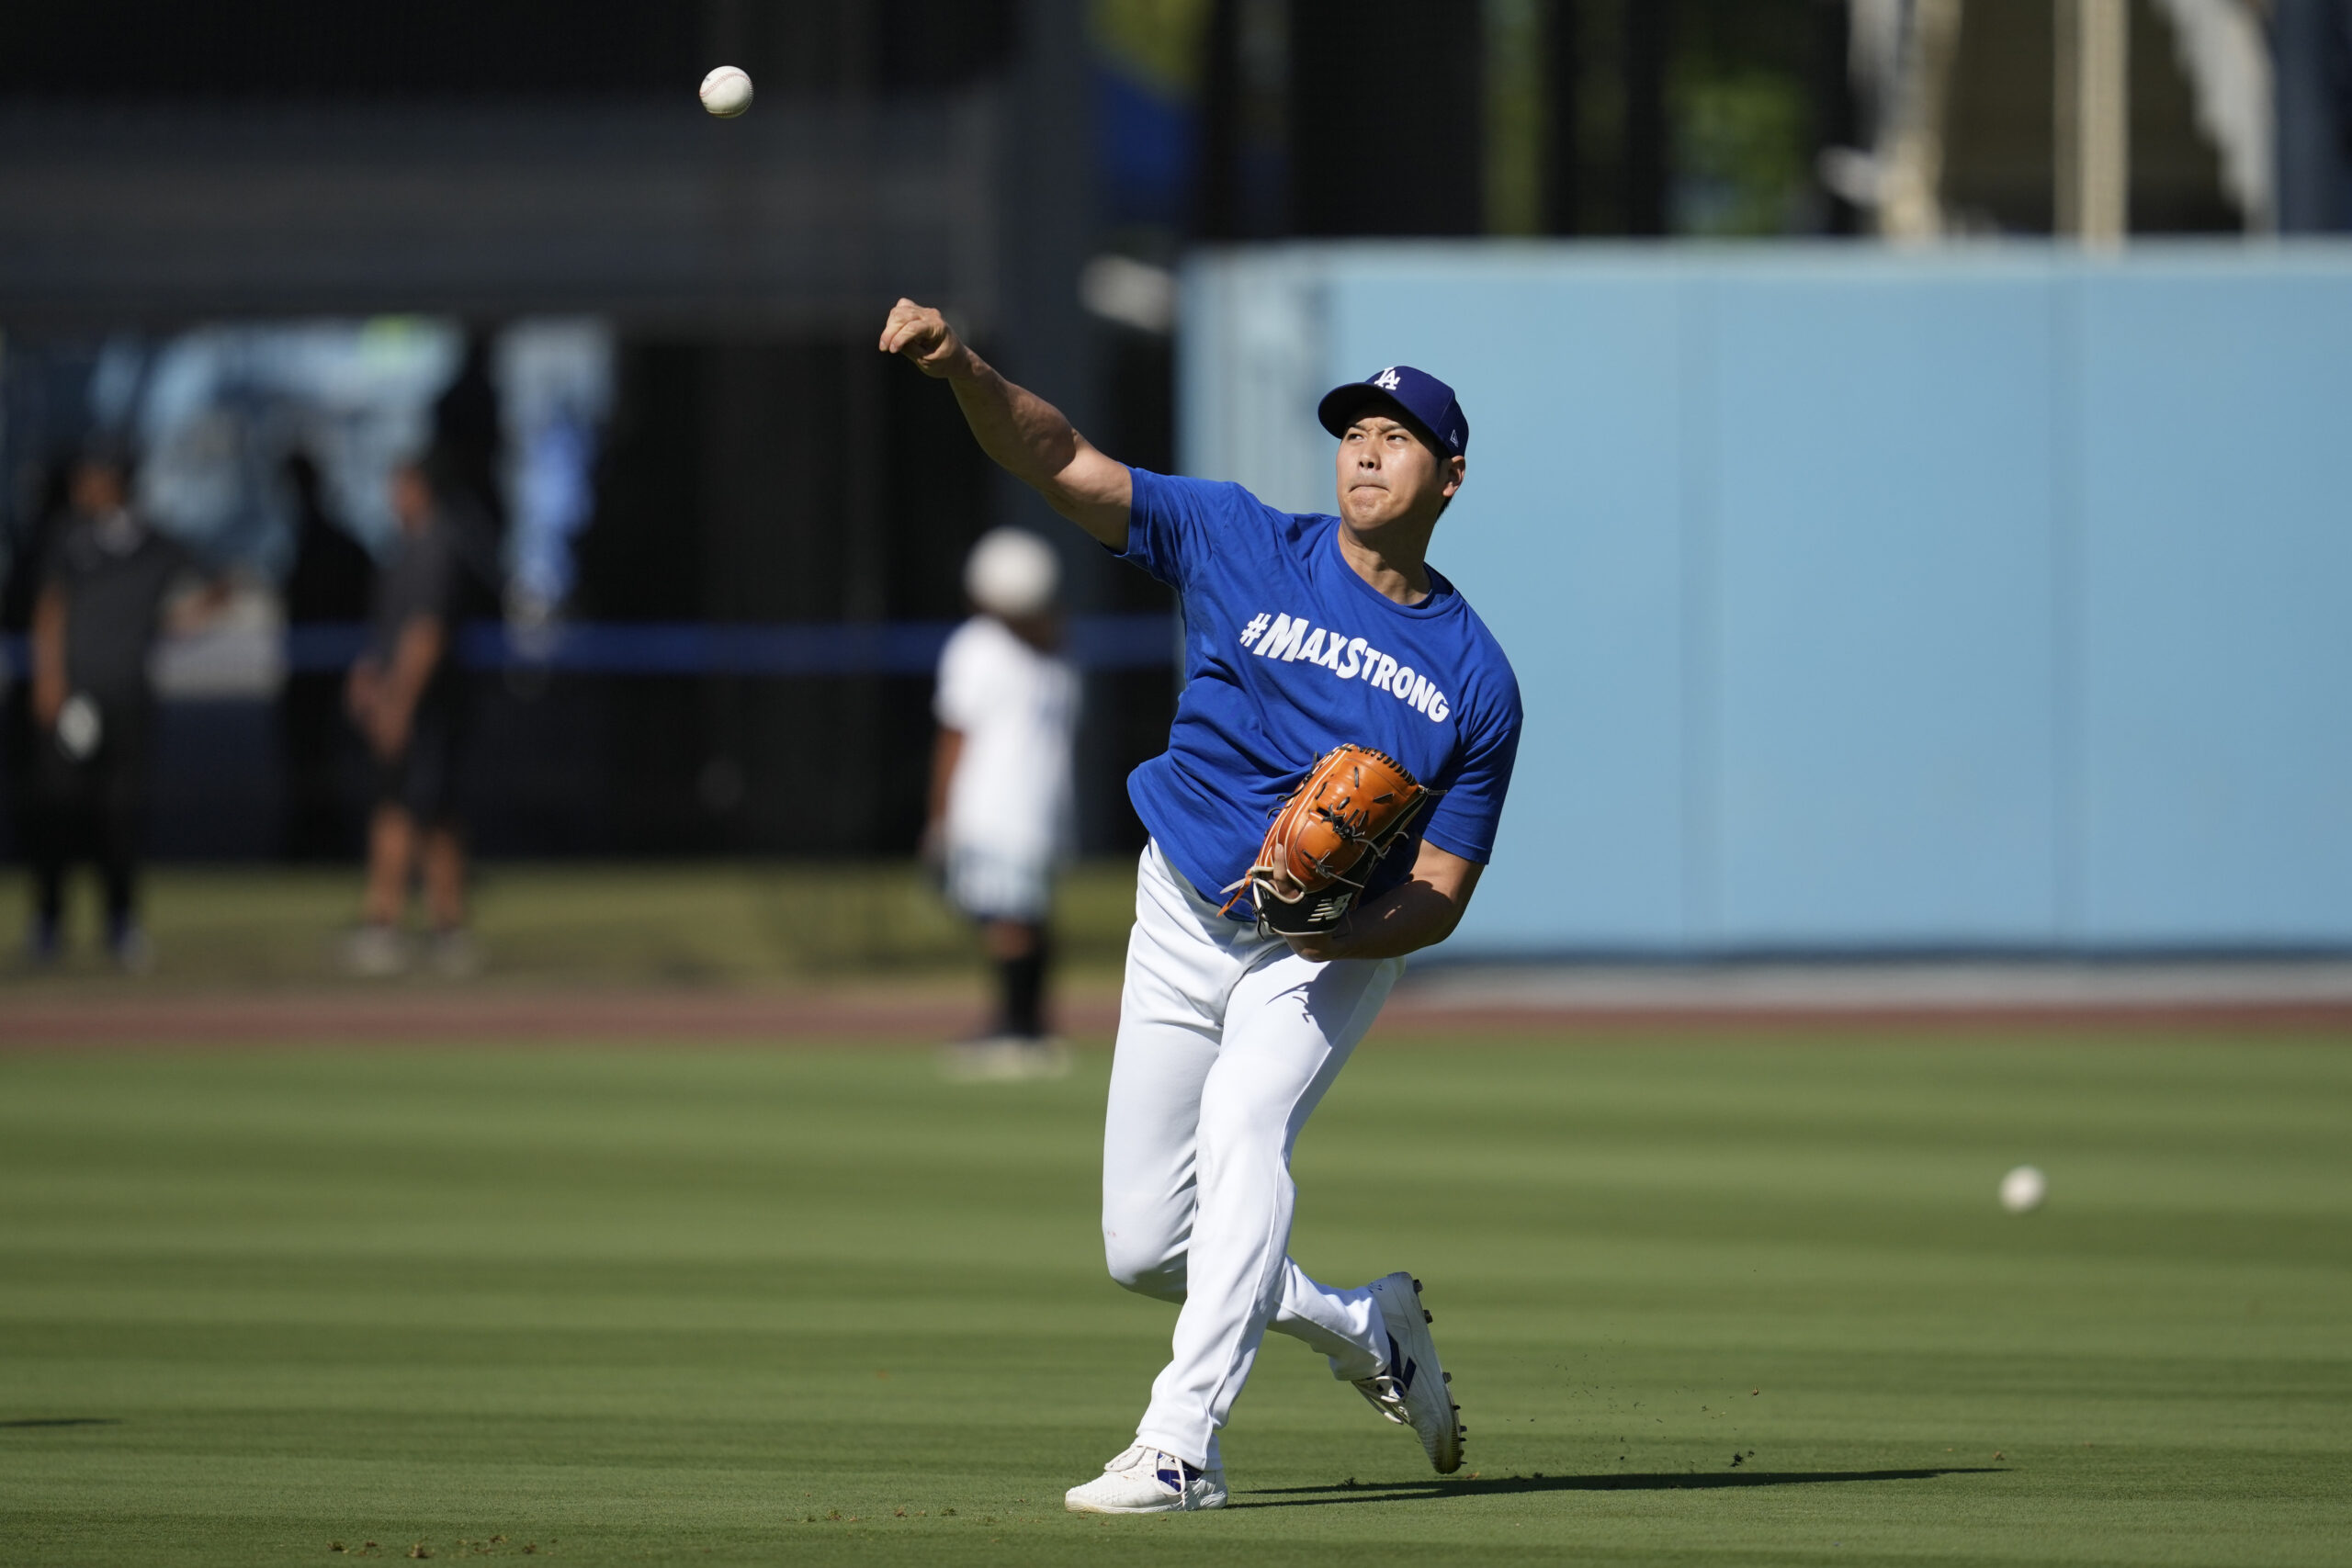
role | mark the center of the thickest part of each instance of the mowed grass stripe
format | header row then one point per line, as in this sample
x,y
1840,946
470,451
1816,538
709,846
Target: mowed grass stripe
x,y
701,1305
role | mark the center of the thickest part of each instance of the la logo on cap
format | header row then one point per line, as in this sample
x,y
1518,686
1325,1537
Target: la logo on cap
x,y
1387,380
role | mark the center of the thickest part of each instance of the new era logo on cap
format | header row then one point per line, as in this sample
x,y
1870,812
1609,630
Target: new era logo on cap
x,y
1418,398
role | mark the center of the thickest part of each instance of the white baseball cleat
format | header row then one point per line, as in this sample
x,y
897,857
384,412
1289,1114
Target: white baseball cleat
x,y
1004,1058
1413,1391
375,952
1147,1480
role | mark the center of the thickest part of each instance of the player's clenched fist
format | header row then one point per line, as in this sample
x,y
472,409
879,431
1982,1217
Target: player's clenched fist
x,y
923,335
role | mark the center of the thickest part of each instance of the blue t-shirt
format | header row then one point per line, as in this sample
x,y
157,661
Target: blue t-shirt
x,y
1288,653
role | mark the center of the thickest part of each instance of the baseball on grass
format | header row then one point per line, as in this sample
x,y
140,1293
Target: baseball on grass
x,y
727,91
2023,1188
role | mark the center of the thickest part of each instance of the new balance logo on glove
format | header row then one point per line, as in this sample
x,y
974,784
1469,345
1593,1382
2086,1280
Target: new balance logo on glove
x,y
1349,658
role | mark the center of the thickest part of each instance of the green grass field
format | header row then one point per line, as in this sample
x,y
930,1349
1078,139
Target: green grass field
x,y
589,923
721,1306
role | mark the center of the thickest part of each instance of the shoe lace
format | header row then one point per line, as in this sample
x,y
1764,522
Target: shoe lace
x,y
1387,1396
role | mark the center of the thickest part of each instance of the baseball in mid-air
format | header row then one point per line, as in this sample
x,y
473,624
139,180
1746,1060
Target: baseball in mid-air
x,y
726,91
2023,1189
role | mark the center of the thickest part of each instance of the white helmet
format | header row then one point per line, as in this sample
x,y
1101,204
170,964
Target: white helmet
x,y
1012,572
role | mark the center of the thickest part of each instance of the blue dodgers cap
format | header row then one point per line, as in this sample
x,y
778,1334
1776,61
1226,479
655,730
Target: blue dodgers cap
x,y
1418,398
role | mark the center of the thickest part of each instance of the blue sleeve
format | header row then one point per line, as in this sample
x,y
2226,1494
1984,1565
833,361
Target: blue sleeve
x,y
1173,524
1463,821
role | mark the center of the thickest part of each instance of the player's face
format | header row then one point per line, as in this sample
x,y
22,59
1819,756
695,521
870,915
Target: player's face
x,y
411,498
1388,474
97,488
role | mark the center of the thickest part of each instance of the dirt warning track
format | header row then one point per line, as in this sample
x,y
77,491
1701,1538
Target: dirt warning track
x,y
459,1016
2307,998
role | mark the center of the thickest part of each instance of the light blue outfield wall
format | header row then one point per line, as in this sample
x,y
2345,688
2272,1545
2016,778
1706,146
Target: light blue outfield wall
x,y
1991,599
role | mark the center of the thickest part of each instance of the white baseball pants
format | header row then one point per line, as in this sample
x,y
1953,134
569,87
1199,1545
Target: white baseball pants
x,y
1228,1041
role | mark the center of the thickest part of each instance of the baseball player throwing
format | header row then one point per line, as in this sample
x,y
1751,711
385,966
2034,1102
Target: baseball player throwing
x,y
1340,688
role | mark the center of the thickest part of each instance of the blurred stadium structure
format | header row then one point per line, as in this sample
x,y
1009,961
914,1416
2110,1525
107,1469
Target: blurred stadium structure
x,y
2059,536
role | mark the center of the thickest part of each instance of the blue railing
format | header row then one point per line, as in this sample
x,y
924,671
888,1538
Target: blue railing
x,y
1139,641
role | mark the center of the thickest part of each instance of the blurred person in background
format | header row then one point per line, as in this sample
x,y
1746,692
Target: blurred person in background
x,y
1000,788
47,486
330,585
404,695
106,589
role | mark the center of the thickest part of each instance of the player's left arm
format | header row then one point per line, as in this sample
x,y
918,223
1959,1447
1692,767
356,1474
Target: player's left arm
x,y
423,642
1422,911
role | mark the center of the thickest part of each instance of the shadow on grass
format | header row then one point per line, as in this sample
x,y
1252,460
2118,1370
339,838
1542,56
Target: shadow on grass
x,y
1518,1486
65,1421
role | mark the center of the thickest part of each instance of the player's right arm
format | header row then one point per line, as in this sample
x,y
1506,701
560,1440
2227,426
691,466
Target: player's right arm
x,y
49,655
1027,435
946,751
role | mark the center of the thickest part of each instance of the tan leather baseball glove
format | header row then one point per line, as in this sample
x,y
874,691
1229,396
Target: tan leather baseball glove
x,y
1327,839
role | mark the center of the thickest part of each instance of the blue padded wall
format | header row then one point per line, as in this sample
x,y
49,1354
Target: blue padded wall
x,y
1990,598
2215,603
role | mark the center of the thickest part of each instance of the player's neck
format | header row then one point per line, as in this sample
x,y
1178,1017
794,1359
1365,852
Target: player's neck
x,y
1393,559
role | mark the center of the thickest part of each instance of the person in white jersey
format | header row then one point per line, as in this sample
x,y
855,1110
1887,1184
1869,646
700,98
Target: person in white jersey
x,y
1001,806
1303,633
